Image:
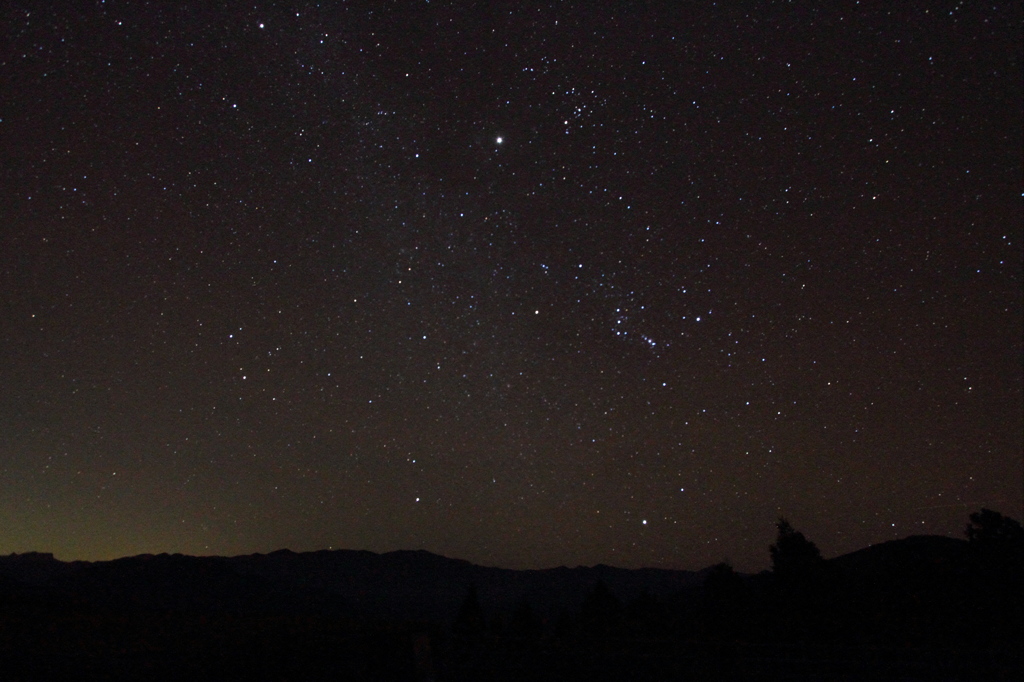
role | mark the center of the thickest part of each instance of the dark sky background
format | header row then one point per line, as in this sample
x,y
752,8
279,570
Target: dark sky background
x,y
524,284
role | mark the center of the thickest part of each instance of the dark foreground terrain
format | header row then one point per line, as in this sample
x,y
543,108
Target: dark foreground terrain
x,y
922,608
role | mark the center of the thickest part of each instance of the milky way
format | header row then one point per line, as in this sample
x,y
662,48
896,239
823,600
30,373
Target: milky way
x,y
525,285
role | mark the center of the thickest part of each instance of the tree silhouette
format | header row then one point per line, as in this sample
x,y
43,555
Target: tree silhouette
x,y
726,606
996,543
470,621
794,557
722,581
601,613
990,530
803,601
995,588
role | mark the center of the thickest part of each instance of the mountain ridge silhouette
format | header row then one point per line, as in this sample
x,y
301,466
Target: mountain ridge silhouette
x,y
404,584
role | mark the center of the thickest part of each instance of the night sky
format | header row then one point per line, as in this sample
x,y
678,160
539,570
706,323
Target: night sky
x,y
523,284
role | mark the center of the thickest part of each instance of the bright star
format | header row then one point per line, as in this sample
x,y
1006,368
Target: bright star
x,y
499,140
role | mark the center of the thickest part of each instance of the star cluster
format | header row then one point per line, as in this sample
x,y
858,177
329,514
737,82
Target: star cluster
x,y
526,284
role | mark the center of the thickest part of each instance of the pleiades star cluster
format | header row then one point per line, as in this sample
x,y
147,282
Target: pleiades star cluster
x,y
527,284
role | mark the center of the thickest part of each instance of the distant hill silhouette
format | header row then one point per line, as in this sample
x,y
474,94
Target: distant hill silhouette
x,y
912,555
415,584
924,607
410,585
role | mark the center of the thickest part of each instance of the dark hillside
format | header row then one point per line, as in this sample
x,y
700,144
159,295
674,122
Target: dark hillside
x,y
924,607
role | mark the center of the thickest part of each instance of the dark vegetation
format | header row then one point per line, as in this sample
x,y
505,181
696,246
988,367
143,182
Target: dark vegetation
x,y
922,608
